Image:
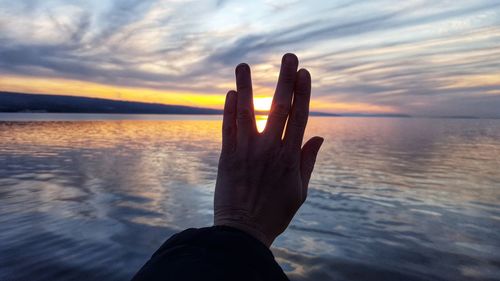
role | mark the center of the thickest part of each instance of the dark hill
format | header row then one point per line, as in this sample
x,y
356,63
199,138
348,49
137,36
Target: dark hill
x,y
17,102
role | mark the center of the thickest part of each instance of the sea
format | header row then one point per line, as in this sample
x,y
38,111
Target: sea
x,y
92,196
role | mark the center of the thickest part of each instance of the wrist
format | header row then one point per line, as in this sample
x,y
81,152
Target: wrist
x,y
247,228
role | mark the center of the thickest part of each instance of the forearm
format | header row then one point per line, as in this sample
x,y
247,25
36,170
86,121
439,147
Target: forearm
x,y
211,253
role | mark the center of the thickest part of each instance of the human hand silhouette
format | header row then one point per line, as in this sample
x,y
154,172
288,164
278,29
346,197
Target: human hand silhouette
x,y
262,179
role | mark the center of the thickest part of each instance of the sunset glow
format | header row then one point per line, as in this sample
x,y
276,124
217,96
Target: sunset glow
x,y
94,90
261,121
383,56
262,103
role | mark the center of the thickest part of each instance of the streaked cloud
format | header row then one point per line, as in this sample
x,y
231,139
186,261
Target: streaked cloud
x,y
417,57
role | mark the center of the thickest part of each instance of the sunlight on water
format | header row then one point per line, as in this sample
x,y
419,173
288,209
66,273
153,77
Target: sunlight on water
x,y
398,199
261,121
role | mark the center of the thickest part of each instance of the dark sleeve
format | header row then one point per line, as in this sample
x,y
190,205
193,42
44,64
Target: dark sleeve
x,y
211,253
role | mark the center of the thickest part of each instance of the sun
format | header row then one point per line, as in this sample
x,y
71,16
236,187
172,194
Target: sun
x,y
262,103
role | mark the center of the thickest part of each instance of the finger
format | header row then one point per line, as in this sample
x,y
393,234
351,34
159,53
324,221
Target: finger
x,y
229,123
245,118
282,97
299,114
307,161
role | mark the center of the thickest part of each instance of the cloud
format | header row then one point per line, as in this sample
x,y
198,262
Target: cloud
x,y
409,56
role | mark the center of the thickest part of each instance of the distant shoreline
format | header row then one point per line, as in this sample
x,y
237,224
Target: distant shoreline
x,y
72,117
26,103
11,102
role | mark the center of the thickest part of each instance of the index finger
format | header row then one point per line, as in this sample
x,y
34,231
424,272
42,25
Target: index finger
x,y
245,117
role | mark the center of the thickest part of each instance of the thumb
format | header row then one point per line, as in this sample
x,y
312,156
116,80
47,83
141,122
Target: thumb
x,y
307,160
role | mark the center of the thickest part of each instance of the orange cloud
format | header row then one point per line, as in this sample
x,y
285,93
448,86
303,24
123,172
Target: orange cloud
x,y
58,86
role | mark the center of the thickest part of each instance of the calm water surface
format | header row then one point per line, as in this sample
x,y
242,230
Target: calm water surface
x,y
390,199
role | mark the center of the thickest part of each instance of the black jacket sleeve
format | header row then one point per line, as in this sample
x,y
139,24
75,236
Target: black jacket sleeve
x,y
212,253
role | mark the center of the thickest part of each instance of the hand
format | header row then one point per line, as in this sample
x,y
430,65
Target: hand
x,y
262,179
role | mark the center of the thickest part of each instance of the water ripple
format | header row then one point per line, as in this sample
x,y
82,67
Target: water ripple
x,y
390,199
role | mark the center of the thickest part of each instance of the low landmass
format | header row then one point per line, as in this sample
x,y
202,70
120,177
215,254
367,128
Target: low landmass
x,y
396,115
312,113
21,102
39,103
459,117
42,103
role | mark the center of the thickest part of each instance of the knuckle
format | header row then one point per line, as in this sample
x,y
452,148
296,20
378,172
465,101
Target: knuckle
x,y
229,110
302,90
244,86
288,77
244,114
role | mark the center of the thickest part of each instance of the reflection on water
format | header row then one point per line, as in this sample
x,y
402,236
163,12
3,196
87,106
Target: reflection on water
x,y
261,121
391,199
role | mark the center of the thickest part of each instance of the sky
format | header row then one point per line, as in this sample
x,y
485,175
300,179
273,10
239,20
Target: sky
x,y
413,57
